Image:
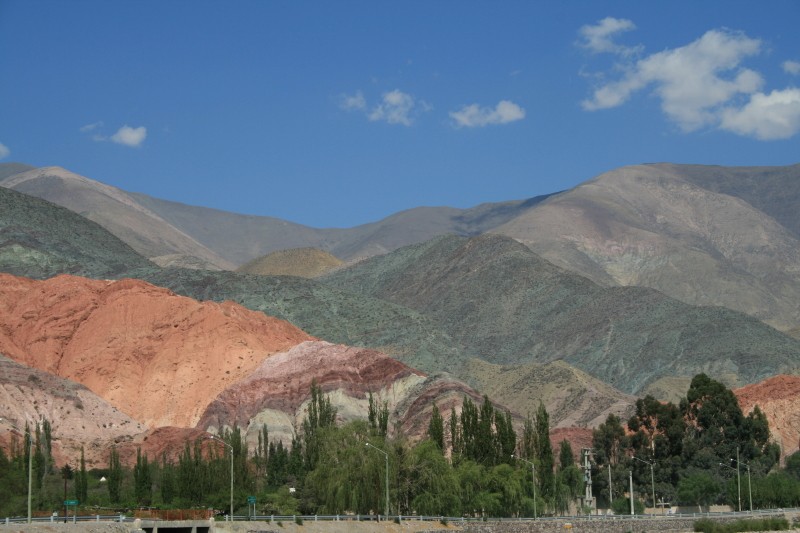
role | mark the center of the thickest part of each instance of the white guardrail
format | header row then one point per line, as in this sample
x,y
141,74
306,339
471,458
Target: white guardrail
x,y
449,519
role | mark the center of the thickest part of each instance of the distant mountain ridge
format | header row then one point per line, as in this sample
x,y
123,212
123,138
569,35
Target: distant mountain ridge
x,y
225,240
488,296
702,234
504,304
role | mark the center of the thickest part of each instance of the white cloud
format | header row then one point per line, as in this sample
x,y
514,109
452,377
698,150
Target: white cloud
x,y
354,102
766,116
130,136
396,108
791,67
598,38
91,127
474,116
694,82
4,151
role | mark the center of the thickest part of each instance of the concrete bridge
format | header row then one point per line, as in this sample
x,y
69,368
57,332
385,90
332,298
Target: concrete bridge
x,y
177,526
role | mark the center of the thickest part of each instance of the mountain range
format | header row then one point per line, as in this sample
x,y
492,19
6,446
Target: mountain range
x,y
627,284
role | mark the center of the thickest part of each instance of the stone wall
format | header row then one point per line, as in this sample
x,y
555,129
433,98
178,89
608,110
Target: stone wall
x,y
610,524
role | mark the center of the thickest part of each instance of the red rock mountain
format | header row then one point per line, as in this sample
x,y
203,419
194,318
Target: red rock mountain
x,y
277,392
156,369
779,399
158,357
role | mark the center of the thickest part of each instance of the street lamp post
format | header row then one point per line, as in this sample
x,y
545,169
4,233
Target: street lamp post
x,y
737,478
533,476
30,467
214,437
652,479
386,456
749,487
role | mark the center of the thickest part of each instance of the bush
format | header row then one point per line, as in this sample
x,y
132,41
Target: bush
x,y
706,525
298,520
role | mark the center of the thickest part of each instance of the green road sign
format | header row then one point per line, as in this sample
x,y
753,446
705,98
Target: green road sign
x,y
70,502
251,499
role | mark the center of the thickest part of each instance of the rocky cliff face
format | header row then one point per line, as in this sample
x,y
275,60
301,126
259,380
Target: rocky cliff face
x,y
277,392
78,416
779,399
158,357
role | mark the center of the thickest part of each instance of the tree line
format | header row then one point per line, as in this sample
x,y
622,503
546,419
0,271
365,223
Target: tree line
x,y
470,463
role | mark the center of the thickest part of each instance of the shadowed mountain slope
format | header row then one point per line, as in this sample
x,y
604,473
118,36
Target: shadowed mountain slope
x,y
704,235
302,262
39,239
504,304
115,210
176,234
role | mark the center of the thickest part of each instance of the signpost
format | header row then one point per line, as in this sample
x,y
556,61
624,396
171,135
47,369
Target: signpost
x,y
67,505
251,500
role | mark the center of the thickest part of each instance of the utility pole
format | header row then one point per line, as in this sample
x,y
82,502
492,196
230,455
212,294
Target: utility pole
x,y
630,478
533,476
216,438
652,479
386,455
738,479
588,498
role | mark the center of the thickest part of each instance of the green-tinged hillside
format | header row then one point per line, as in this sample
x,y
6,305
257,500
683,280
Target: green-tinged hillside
x,y
506,305
323,311
302,262
39,240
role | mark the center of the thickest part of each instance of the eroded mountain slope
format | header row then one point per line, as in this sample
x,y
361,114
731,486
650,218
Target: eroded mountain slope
x,y
156,356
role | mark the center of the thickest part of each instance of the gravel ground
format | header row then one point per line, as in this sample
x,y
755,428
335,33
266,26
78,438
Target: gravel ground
x,y
238,527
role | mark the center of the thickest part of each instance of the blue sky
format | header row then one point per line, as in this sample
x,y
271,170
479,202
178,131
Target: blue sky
x,y
334,114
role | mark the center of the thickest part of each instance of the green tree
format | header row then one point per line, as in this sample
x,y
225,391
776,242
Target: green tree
x,y
142,480
115,474
347,476
436,427
82,482
544,453
528,444
433,487
793,465
456,446
698,488
506,436
321,414
167,480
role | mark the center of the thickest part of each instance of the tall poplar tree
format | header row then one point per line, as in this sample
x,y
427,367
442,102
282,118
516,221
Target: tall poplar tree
x,y
544,452
82,481
142,480
436,427
114,481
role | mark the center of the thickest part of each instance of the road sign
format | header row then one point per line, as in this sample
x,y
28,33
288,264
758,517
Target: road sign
x,y
251,499
70,502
